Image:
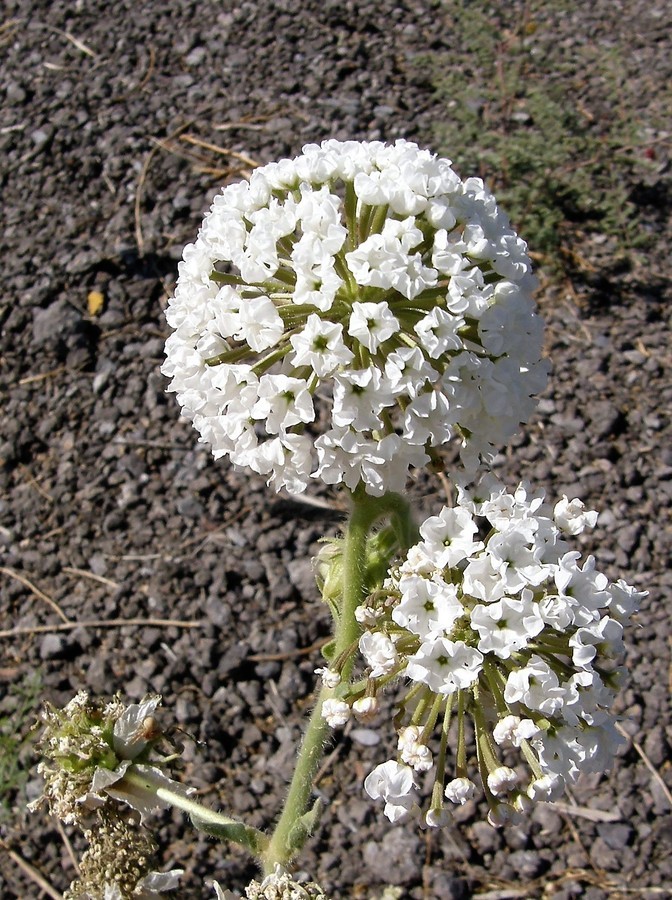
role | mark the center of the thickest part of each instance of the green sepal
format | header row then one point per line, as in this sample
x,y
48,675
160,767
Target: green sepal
x,y
381,549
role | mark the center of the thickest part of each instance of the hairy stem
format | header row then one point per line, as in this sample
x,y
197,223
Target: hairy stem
x,y
296,821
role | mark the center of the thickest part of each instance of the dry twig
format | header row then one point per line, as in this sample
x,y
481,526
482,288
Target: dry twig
x,y
223,151
70,570
96,623
290,654
68,845
647,762
80,45
35,590
584,812
31,872
31,379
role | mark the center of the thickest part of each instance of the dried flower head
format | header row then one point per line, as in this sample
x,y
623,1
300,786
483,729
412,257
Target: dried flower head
x,y
347,312
118,864
94,750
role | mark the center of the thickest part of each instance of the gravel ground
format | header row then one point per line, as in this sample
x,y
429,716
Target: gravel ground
x,y
109,508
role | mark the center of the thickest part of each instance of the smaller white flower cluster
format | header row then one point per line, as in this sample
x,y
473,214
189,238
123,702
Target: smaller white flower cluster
x,y
365,287
509,629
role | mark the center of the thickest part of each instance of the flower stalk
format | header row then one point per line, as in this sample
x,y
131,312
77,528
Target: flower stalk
x,y
295,820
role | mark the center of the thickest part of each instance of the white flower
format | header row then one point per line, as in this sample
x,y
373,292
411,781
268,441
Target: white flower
x,y
278,885
260,326
155,883
407,371
514,730
445,666
393,783
320,346
585,587
283,402
507,625
379,653
438,332
520,628
372,324
131,734
459,790
502,780
624,600
330,679
503,814
548,787
605,635
359,397
367,615
438,817
572,516
426,606
93,751
450,536
142,797
482,580
413,752
336,712
536,685
365,708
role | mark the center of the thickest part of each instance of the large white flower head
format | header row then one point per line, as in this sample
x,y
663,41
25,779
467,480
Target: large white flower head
x,y
345,313
511,631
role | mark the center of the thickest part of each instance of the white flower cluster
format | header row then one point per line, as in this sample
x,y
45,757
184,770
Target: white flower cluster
x,y
348,311
511,630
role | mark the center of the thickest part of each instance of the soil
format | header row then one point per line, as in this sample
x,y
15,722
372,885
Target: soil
x,y
109,509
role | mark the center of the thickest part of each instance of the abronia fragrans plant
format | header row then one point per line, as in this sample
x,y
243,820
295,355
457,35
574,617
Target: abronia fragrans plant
x,y
341,317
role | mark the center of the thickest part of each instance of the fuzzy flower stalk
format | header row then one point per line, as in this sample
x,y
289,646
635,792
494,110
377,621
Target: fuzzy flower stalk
x,y
346,313
492,617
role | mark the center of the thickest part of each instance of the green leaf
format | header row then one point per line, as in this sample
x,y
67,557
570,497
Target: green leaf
x,y
328,650
303,828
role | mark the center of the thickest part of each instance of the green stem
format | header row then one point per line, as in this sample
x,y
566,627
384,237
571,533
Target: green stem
x,y
297,820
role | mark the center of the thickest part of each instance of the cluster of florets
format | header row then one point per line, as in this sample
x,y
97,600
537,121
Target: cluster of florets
x,y
347,312
492,616
99,762
95,756
90,749
279,885
118,864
